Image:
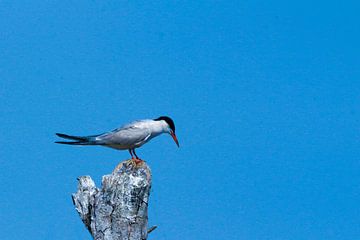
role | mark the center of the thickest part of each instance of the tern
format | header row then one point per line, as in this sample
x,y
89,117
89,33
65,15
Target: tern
x,y
128,137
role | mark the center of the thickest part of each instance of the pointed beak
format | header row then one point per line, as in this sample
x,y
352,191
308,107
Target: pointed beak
x,y
175,138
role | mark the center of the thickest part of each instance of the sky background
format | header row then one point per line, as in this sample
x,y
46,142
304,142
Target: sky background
x,y
265,97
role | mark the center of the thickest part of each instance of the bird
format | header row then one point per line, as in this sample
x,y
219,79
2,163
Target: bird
x,y
127,137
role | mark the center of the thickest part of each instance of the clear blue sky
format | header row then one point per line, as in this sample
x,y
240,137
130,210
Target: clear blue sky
x,y
265,97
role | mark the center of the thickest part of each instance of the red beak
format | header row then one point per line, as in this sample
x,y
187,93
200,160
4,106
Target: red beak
x,y
175,138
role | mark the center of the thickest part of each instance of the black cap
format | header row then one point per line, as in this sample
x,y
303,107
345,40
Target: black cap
x,y
168,120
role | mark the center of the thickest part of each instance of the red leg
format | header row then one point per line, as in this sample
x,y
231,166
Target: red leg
x,y
137,159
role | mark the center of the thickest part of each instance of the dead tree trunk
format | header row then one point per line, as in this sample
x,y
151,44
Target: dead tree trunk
x,y
119,209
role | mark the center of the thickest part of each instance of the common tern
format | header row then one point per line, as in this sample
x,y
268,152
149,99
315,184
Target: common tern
x,y
128,137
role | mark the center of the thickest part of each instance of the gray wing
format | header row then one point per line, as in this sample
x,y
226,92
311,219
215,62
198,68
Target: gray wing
x,y
128,136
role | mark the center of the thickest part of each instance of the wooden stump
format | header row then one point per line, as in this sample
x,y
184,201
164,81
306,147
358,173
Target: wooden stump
x,y
119,209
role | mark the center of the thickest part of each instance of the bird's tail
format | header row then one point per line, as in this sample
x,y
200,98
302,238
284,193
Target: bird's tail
x,y
87,140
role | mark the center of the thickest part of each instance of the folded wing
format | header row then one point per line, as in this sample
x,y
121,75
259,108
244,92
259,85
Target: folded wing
x,y
124,138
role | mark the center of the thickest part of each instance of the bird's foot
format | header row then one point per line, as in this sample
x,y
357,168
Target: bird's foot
x,y
136,162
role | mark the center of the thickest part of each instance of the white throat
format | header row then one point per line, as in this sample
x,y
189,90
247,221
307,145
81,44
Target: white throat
x,y
159,127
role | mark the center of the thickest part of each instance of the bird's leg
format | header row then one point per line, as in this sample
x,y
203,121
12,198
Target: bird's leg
x,y
134,160
137,159
135,154
130,151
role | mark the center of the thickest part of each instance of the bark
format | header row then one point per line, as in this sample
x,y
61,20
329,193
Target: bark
x,y
119,209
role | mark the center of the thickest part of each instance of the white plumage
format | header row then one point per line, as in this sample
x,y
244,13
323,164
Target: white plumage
x,y
129,136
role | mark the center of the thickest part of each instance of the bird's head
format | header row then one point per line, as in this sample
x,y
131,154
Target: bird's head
x,y
170,127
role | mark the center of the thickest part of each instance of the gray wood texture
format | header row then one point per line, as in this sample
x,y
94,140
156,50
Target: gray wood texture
x,y
119,210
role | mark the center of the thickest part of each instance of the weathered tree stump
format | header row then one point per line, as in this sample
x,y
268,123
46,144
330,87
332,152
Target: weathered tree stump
x,y
119,209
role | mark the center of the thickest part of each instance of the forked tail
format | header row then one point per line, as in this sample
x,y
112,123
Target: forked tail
x,y
88,140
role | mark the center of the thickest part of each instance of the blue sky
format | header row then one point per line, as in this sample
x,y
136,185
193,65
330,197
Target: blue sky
x,y
265,97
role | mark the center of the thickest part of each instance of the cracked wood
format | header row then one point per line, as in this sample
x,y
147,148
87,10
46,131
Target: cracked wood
x,y
119,209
